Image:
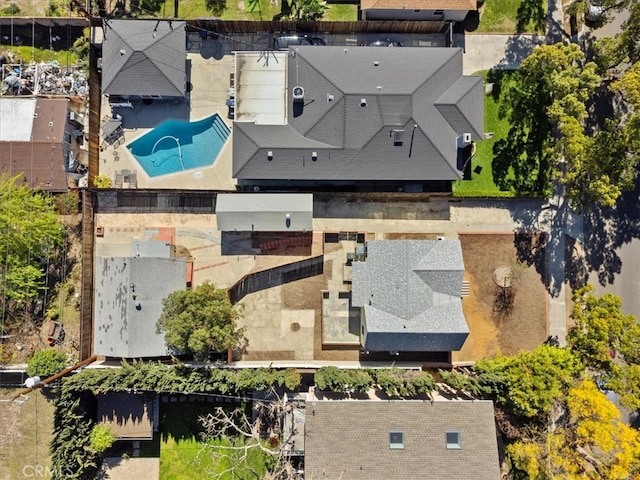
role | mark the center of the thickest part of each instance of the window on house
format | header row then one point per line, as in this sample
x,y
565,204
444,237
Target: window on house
x,y
396,440
454,440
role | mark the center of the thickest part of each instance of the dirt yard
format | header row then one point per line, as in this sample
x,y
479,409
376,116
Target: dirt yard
x,y
29,332
501,320
24,437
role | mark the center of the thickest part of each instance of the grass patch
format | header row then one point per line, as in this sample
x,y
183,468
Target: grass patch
x,y
183,453
481,183
247,10
32,54
27,430
501,16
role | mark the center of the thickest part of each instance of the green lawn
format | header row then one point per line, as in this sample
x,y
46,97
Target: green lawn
x,y
481,183
183,454
249,10
500,16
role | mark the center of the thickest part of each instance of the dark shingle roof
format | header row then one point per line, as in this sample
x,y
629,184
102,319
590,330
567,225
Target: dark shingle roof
x,y
410,293
356,142
144,57
350,440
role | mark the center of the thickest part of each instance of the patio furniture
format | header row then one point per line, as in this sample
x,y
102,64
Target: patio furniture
x,y
133,179
111,127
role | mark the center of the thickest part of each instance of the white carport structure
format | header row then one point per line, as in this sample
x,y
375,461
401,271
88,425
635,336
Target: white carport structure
x,y
261,85
264,212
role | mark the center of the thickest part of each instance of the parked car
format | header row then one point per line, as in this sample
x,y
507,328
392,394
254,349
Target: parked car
x,y
285,41
382,43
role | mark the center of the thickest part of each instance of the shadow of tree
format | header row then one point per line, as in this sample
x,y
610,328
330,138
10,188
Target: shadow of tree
x,y
216,6
517,48
531,12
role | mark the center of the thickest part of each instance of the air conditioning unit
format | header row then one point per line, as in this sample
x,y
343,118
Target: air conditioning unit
x,y
298,94
466,138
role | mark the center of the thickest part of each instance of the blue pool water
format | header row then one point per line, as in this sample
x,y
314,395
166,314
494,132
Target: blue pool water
x,y
174,146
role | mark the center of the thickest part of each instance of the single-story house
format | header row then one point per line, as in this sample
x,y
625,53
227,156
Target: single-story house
x,y
416,10
404,440
356,118
35,141
128,300
144,58
409,293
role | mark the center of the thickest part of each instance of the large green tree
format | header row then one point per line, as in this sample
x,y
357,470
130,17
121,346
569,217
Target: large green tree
x,y
590,443
30,231
601,331
200,321
544,102
528,384
607,342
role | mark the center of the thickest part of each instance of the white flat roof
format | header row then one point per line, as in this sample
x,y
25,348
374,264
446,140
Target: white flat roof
x,y
266,212
16,119
261,85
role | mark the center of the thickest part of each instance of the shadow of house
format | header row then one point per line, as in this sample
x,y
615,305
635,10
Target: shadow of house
x,y
129,416
409,293
144,59
400,439
35,141
387,118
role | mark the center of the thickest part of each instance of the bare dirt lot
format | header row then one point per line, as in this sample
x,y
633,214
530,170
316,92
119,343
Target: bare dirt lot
x,y
24,437
501,320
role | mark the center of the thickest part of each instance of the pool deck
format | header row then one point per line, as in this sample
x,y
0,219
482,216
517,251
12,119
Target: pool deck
x,y
210,80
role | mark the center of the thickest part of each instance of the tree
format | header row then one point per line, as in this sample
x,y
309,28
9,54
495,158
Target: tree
x,y
46,363
601,331
30,231
529,383
304,10
543,101
251,449
199,321
593,443
101,438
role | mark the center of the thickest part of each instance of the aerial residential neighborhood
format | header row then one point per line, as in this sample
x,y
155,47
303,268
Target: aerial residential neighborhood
x,y
308,240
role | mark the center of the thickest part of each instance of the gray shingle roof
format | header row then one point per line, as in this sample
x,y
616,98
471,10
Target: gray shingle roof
x,y
266,212
408,90
350,440
120,330
410,293
144,57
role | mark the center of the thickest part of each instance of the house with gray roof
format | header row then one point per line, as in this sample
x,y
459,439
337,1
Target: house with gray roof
x,y
409,293
376,118
400,439
128,302
144,58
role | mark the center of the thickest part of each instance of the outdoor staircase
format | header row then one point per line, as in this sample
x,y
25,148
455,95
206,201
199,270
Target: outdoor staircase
x,y
464,291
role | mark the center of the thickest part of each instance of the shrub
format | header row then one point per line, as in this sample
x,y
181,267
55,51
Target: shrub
x,y
101,181
67,203
45,363
101,438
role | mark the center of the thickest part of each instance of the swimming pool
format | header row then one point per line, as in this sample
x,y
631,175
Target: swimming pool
x,y
175,145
